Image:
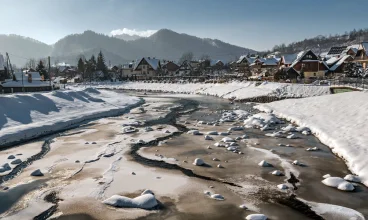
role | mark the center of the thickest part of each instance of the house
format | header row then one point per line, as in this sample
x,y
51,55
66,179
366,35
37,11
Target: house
x,y
147,67
287,59
270,62
339,64
25,82
185,69
308,63
169,67
290,73
219,63
362,54
336,51
3,70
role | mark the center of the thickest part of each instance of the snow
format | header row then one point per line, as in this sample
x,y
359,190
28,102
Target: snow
x,y
282,186
227,140
352,178
277,173
335,212
338,183
256,217
27,116
232,90
37,173
341,61
264,163
198,162
339,121
145,201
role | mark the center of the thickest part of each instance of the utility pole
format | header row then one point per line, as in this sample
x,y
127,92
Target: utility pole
x,y
49,71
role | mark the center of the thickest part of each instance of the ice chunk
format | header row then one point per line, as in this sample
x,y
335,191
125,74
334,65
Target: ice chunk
x,y
194,132
212,133
16,161
352,178
282,186
146,201
256,217
227,139
207,137
277,173
264,163
198,162
37,173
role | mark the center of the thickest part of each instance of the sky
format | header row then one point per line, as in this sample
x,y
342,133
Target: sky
x,y
254,24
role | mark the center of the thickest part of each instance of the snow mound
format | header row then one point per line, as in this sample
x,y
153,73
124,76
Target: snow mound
x,y
338,183
277,173
207,137
147,191
16,161
194,132
224,133
37,173
146,201
292,136
282,186
289,128
198,162
345,186
352,178
217,144
256,217
212,133
129,129
5,167
217,197
264,163
227,140
236,128
326,176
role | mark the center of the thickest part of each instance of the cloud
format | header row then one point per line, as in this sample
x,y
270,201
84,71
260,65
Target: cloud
x,y
132,32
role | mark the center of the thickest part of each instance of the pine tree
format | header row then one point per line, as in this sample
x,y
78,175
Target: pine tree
x,y
42,70
91,66
101,64
81,67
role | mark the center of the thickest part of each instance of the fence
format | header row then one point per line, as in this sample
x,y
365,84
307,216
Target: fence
x,y
358,83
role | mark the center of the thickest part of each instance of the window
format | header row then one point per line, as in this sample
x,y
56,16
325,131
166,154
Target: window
x,y
314,74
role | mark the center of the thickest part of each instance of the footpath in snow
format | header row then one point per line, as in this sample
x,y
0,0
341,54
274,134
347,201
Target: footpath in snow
x,y
234,90
29,115
340,121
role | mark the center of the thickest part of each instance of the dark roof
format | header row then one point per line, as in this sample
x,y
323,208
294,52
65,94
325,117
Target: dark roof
x,y
336,50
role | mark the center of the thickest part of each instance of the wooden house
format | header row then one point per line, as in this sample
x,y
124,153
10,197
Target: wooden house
x,y
169,68
362,54
147,67
309,64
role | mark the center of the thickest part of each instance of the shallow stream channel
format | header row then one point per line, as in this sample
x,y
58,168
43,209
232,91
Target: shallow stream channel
x,y
196,155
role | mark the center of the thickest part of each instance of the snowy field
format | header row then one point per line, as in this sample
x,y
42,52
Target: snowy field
x,y
234,90
339,121
25,116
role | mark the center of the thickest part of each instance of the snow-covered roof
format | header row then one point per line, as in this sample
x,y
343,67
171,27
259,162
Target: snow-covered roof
x,y
332,60
323,54
35,75
289,58
341,61
25,83
154,63
2,62
269,61
300,55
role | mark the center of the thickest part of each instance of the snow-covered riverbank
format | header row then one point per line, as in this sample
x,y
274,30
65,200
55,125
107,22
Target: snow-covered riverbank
x,y
26,116
234,90
339,121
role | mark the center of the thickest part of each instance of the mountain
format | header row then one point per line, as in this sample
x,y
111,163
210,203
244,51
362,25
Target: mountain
x,y
20,48
127,37
164,44
324,43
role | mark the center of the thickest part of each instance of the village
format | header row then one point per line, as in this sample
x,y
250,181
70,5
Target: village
x,y
343,63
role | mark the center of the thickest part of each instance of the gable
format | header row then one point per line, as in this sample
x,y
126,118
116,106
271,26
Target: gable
x,y
309,55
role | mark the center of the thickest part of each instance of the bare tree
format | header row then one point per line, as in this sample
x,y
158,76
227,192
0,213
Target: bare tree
x,y
188,56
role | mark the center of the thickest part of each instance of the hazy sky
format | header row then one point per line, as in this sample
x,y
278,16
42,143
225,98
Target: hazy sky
x,y
255,24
